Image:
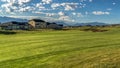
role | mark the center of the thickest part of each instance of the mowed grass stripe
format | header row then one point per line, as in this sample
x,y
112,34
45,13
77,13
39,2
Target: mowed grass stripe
x,y
49,53
29,48
97,46
18,48
36,45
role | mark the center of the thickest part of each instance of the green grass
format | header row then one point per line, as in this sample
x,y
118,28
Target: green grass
x,y
60,49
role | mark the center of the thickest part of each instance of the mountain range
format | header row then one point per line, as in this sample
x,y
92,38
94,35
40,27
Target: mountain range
x,y
90,23
8,19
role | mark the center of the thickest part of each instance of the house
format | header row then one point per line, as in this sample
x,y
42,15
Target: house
x,y
40,24
37,24
14,26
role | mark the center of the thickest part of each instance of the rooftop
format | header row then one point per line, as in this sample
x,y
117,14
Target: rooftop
x,y
37,20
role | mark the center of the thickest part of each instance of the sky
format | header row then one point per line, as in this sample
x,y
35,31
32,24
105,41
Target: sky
x,y
70,11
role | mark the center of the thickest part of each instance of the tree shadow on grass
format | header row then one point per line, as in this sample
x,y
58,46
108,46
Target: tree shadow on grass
x,y
8,32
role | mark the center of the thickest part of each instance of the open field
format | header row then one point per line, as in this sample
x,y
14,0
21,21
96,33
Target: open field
x,y
60,49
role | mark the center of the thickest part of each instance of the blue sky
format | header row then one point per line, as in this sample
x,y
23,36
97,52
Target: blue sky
x,y
73,11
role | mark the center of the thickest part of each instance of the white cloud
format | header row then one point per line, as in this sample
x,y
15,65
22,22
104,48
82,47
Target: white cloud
x,y
23,1
11,6
47,14
66,6
40,6
82,0
7,7
109,9
65,18
24,9
82,5
86,13
74,13
47,1
100,13
114,3
0,11
37,12
16,1
55,5
79,15
50,14
61,13
70,6
90,0
25,17
12,1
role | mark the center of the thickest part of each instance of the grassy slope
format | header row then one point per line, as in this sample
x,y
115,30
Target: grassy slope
x,y
60,49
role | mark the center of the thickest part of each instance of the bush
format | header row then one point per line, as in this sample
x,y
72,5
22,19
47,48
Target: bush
x,y
93,29
7,32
